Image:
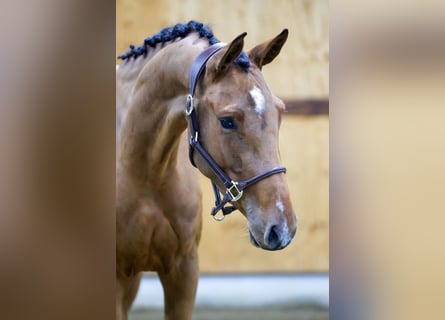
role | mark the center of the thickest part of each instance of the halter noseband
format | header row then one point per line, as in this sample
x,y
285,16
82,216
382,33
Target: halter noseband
x,y
234,189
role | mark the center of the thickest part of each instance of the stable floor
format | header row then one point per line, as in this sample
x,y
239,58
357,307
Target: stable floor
x,y
296,313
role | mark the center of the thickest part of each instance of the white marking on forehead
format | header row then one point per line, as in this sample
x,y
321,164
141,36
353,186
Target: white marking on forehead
x,y
279,205
258,98
117,67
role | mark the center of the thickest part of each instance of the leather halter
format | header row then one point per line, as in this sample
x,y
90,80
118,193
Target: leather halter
x,y
234,190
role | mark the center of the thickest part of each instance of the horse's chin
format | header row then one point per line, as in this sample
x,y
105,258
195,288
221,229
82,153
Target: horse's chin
x,y
253,241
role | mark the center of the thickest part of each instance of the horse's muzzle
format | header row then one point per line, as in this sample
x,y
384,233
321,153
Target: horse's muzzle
x,y
274,239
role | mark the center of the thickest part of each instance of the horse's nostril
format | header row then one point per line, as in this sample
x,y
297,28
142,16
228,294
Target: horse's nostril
x,y
273,239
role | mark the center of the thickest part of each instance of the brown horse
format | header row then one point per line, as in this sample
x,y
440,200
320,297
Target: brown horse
x,y
158,209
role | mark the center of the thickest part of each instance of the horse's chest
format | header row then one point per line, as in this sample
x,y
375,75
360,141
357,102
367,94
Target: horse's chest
x,y
156,233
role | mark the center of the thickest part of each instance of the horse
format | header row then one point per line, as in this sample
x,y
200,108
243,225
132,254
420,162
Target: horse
x,y
186,100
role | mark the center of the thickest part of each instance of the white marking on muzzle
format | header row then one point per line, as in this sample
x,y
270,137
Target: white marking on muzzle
x,y
284,228
258,98
279,205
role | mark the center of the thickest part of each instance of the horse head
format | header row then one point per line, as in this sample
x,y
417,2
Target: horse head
x,y
239,119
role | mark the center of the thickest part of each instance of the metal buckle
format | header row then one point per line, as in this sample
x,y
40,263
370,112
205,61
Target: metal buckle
x,y
194,139
190,106
239,193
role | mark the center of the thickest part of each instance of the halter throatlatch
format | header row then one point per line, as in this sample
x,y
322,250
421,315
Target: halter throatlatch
x,y
234,190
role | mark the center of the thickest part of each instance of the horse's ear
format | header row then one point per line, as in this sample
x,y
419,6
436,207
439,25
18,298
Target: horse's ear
x,y
230,53
264,53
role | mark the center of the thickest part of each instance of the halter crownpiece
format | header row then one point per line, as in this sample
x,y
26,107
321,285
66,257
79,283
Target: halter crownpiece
x,y
234,190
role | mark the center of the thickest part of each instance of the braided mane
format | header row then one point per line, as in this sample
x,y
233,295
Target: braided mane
x,y
175,32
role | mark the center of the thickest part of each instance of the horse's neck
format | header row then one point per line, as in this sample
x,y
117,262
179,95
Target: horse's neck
x,y
154,120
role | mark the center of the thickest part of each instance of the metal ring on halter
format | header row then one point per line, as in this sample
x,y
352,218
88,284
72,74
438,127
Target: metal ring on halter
x,y
190,106
219,218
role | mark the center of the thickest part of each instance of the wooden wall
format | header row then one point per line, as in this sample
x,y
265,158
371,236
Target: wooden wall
x,y
300,72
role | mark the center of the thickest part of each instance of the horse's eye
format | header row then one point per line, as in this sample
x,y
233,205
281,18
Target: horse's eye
x,y
228,123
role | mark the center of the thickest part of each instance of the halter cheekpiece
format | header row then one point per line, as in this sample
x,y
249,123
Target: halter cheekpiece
x,y
234,190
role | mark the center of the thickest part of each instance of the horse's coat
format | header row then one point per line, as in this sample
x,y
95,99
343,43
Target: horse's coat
x,y
158,200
